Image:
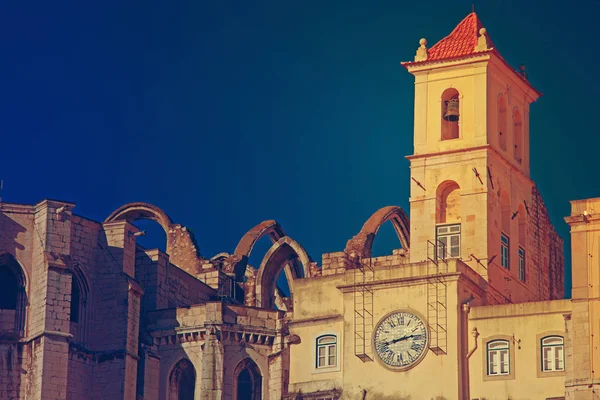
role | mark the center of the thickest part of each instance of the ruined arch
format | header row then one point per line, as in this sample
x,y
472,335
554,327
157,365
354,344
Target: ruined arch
x,y
182,381
247,381
239,260
447,198
181,244
287,255
136,211
362,243
13,294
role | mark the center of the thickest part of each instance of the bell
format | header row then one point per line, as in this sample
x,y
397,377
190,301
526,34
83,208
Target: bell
x,y
451,113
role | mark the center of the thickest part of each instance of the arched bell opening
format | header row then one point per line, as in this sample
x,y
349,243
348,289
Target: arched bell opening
x,y
247,381
518,136
182,381
450,114
501,123
13,297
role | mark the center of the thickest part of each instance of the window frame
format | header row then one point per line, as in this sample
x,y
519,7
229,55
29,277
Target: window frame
x,y
336,344
511,358
448,247
541,373
504,246
522,265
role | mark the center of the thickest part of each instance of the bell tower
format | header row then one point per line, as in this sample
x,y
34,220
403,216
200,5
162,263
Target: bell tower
x,y
470,187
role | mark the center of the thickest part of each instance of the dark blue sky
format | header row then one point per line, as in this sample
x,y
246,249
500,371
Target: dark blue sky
x,y
228,113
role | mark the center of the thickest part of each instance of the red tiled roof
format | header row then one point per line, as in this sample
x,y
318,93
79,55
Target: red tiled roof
x,y
461,42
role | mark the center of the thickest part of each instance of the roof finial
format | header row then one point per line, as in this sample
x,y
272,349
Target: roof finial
x,y
472,7
422,50
482,41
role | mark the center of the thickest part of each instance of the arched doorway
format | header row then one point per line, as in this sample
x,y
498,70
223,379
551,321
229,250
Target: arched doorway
x,y
182,381
248,381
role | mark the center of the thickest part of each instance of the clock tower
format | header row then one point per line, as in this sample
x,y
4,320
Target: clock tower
x,y
471,196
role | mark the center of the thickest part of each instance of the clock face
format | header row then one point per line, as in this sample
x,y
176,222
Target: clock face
x,y
401,339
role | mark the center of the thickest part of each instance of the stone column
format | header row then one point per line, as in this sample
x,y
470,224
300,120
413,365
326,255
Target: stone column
x,y
211,387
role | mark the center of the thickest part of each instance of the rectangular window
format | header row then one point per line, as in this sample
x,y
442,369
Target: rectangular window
x,y
504,251
448,241
521,264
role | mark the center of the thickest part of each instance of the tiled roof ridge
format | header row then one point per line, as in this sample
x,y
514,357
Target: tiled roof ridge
x,y
460,42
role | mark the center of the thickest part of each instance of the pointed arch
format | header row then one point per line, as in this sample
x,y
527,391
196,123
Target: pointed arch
x,y
138,210
80,292
182,381
13,294
362,243
239,260
247,381
287,255
181,243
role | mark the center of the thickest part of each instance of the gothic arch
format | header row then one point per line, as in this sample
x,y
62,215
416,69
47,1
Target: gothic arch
x,y
288,255
13,295
137,211
247,381
362,243
80,293
247,242
182,381
179,237
241,254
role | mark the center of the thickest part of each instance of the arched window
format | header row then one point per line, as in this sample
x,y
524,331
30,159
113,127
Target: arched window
x,y
182,381
498,358
553,354
502,132
248,381
78,307
13,297
326,356
450,114
518,135
522,243
9,289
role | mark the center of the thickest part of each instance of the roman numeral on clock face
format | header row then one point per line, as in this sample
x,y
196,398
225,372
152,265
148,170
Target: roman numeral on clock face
x,y
400,339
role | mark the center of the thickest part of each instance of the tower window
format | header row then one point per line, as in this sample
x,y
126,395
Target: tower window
x,y
521,264
504,251
450,114
448,241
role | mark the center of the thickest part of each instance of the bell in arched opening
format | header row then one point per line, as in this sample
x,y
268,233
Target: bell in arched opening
x,y
452,113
